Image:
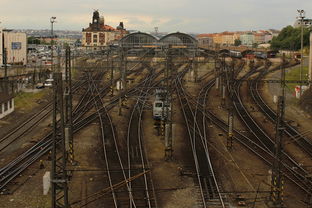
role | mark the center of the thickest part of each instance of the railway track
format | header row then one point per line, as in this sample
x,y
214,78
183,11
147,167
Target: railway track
x,y
195,120
141,192
303,142
111,153
30,123
249,142
24,160
293,170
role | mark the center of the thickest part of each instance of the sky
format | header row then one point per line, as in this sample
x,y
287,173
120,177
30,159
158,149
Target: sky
x,y
197,16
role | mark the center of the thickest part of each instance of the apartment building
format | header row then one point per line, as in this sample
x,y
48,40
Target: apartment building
x,y
247,39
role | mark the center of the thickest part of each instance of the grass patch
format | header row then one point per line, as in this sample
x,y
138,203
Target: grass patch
x,y
294,74
26,101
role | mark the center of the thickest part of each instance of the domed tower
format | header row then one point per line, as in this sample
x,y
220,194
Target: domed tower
x,y
96,19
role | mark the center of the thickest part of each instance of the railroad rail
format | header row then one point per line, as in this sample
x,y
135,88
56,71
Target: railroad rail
x,y
295,172
30,123
303,142
24,160
196,127
136,154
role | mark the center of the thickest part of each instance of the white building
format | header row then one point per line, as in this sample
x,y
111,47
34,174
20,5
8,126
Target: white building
x,y
247,39
16,46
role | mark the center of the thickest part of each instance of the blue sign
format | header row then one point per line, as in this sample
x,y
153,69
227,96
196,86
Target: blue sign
x,y
16,45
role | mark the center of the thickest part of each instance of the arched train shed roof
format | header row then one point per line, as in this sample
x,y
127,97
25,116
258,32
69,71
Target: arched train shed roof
x,y
138,39
179,39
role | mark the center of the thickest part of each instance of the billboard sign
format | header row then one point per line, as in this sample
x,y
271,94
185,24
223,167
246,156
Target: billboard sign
x,y
16,45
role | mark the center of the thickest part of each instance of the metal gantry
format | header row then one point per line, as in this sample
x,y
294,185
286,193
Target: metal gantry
x,y
230,83
68,108
58,174
277,184
168,105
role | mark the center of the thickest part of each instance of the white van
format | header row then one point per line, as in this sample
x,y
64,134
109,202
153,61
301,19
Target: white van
x,y
48,83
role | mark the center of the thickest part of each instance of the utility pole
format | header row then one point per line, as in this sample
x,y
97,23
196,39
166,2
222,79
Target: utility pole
x,y
217,70
229,141
223,81
195,66
59,68
58,173
301,16
68,108
122,71
52,21
168,105
112,76
277,184
5,62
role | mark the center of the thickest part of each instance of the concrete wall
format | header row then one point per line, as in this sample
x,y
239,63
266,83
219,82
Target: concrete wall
x,y
16,55
310,61
9,110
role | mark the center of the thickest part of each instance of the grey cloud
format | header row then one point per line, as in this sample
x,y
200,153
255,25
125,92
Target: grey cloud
x,y
182,15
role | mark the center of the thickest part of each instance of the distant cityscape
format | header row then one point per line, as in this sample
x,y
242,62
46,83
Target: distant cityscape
x,y
32,45
47,33
247,38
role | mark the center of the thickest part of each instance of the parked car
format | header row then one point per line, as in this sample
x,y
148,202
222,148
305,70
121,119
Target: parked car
x,y
48,83
40,85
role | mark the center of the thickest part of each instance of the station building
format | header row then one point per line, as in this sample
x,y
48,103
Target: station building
x,y
16,45
98,34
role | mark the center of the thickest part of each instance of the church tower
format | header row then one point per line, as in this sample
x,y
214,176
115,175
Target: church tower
x,y
96,20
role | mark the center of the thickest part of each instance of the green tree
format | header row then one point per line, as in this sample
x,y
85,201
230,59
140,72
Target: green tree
x,y
237,42
290,38
33,40
255,45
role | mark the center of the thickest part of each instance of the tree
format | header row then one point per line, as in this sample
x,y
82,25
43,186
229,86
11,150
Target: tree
x,y
237,42
255,45
33,40
290,38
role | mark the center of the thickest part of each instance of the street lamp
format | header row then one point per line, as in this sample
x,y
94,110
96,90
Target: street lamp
x,y
301,17
52,21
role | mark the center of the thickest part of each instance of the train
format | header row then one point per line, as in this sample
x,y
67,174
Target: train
x,y
160,105
236,54
260,55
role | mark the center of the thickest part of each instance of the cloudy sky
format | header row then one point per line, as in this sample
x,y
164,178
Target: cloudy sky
x,y
168,15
